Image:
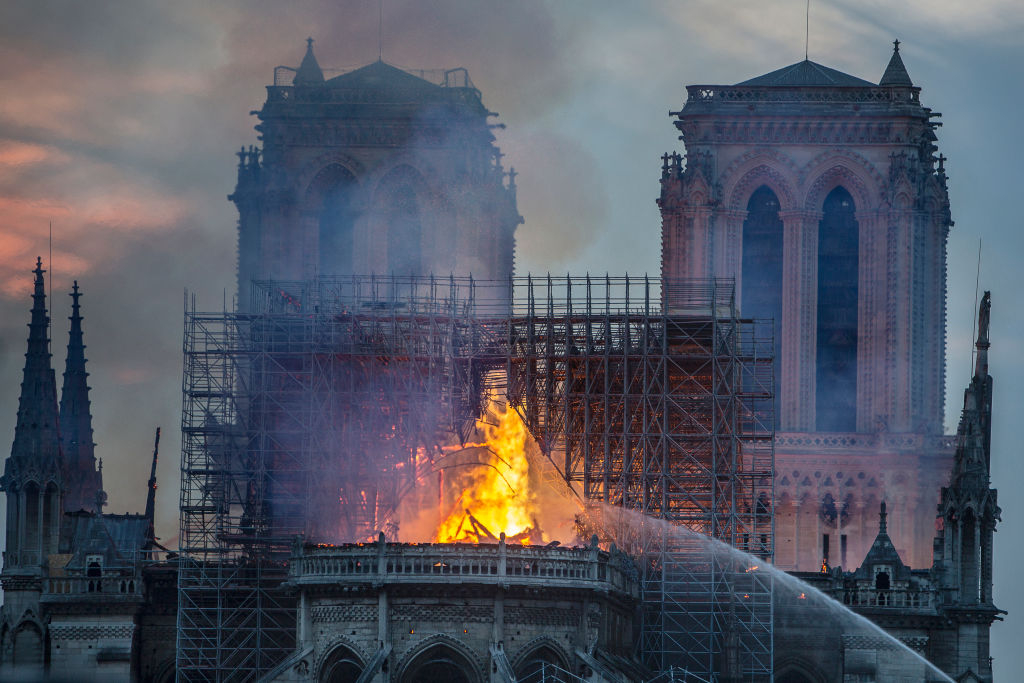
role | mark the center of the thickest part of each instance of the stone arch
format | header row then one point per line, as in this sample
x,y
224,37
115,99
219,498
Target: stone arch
x,y
443,655
793,670
165,672
333,203
739,190
543,650
342,663
739,171
27,644
333,645
313,168
842,168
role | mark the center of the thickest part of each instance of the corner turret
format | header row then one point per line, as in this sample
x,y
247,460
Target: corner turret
x,y
896,73
309,72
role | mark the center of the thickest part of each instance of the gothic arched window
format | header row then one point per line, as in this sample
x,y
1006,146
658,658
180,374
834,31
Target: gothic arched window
x,y
335,189
761,294
401,204
836,361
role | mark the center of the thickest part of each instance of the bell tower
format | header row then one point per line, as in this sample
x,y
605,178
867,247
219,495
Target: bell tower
x,y
822,194
373,171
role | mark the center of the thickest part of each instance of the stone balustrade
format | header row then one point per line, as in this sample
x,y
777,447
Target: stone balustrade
x,y
74,587
495,564
892,598
715,94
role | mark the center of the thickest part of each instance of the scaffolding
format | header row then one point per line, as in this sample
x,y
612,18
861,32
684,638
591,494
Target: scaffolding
x,y
669,414
317,410
310,415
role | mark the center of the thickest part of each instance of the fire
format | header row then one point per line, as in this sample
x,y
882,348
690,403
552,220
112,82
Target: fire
x,y
495,496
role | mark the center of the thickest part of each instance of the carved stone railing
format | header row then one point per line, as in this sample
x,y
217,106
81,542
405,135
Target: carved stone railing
x,y
812,442
923,600
106,587
738,94
501,564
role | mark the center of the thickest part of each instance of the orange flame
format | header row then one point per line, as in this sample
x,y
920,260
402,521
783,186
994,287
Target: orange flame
x,y
496,495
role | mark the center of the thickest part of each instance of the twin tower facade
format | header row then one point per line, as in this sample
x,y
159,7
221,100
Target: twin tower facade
x,y
819,192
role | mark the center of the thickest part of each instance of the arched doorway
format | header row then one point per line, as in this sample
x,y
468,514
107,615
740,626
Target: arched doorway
x,y
333,195
341,666
838,269
439,664
543,664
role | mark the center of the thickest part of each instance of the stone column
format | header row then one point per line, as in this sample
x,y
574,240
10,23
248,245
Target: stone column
x,y
728,248
799,315
873,378
22,512
39,526
898,313
796,534
304,636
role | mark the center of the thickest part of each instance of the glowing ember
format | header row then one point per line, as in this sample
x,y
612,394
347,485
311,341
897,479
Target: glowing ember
x,y
496,496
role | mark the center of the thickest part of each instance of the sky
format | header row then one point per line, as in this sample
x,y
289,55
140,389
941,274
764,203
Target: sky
x,y
119,119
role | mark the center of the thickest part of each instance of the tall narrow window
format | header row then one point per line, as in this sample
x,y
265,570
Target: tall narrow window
x,y
836,365
400,204
761,293
336,187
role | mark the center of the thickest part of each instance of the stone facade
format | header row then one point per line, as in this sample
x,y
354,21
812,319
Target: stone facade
x,y
378,170
821,194
459,612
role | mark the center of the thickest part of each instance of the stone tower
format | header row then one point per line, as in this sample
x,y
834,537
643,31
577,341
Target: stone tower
x,y
968,514
821,194
84,485
378,170
33,480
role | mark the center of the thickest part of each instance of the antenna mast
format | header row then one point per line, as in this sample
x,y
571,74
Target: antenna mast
x,y
807,29
380,30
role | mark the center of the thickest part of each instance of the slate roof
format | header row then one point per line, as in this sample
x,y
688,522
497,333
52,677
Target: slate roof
x,y
896,72
116,537
882,552
381,76
807,73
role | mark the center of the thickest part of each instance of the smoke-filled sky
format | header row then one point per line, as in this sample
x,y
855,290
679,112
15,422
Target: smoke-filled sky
x,y
118,121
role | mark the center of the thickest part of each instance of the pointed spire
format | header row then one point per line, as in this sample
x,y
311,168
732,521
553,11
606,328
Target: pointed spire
x,y
895,73
151,491
76,420
309,72
982,345
37,435
882,515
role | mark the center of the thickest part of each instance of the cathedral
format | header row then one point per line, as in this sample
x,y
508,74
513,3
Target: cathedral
x,y
818,193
